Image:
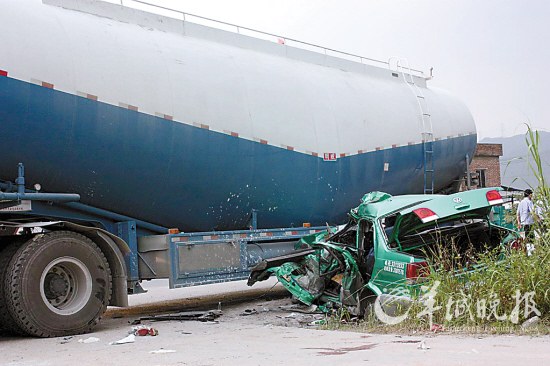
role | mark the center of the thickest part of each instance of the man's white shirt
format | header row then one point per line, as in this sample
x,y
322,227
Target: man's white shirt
x,y
525,212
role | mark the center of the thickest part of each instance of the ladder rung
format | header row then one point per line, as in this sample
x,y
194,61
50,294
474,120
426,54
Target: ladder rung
x,y
420,96
429,170
426,114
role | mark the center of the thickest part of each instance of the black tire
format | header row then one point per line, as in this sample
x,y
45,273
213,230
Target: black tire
x,y
57,284
8,247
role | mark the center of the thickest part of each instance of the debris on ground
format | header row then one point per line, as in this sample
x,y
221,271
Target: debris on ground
x,y
143,330
160,351
89,340
437,328
406,341
299,308
317,322
325,351
249,312
530,322
130,339
203,316
300,320
423,345
66,340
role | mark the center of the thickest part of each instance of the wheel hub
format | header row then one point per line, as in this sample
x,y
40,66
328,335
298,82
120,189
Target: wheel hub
x,y
66,285
55,285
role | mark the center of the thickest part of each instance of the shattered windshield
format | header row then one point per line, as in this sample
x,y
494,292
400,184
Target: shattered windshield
x,y
346,236
358,235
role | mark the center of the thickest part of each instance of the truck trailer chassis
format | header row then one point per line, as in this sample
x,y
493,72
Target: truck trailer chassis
x,y
64,262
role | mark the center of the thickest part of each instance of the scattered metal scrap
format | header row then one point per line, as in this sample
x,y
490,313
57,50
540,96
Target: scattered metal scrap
x,y
300,308
203,316
407,341
300,320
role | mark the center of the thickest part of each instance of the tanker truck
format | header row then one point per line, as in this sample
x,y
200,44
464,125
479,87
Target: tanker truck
x,y
138,146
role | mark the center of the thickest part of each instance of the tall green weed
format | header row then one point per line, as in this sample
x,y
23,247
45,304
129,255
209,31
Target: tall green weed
x,y
511,286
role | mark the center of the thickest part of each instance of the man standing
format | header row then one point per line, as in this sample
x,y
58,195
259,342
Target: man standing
x,y
525,213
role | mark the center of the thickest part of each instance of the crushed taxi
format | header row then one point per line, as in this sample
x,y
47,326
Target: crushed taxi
x,y
385,248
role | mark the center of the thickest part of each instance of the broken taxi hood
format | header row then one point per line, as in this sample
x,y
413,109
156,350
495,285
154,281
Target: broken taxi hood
x,y
474,204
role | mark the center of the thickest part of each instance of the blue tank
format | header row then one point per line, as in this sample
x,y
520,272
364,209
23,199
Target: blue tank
x,y
187,126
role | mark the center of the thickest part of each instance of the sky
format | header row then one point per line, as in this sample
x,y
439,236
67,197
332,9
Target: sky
x,y
492,54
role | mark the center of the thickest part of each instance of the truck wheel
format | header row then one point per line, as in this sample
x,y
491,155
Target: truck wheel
x,y
57,284
8,247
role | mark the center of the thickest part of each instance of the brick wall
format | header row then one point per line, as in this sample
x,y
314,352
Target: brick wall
x,y
489,150
486,157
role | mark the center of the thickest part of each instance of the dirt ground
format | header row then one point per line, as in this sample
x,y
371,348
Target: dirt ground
x,y
258,332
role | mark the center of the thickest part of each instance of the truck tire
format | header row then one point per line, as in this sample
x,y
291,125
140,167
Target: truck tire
x,y
57,284
8,247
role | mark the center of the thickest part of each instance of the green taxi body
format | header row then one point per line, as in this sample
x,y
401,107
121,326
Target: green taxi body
x,y
385,248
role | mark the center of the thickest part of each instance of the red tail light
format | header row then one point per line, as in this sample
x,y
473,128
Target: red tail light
x,y
494,197
425,214
416,270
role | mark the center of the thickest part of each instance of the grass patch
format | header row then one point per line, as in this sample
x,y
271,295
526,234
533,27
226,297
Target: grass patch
x,y
495,300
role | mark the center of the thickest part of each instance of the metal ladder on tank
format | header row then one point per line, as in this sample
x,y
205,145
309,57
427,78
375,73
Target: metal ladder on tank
x,y
427,128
